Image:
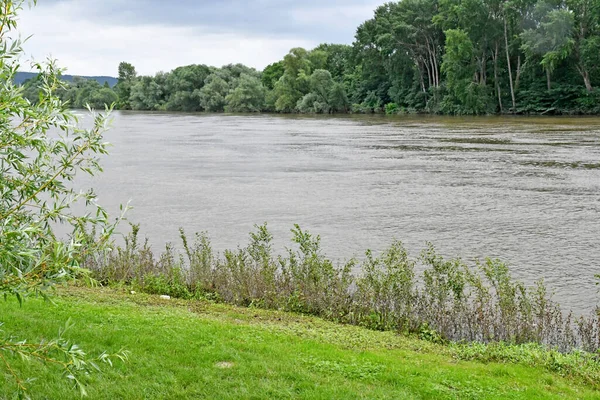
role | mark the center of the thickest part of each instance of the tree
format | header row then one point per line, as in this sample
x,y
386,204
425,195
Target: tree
x,y
31,90
213,93
458,64
149,93
35,196
85,90
297,61
232,73
317,59
373,58
127,72
551,40
481,20
294,83
321,84
589,60
372,103
102,98
465,94
411,29
396,58
79,93
318,100
309,103
338,61
399,54
248,96
338,98
126,79
586,33
285,94
182,87
271,74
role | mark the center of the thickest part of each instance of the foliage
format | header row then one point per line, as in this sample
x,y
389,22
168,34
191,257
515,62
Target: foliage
x,y
430,56
551,40
42,149
182,87
248,96
213,93
149,93
392,108
271,74
325,96
338,98
371,104
285,93
464,95
127,75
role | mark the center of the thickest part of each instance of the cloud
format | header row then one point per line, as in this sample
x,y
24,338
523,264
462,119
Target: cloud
x,y
97,49
92,37
335,18
257,16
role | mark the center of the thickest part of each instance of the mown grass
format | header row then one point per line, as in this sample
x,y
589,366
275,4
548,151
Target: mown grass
x,y
197,349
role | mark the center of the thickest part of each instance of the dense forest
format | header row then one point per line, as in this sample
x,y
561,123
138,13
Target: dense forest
x,y
431,56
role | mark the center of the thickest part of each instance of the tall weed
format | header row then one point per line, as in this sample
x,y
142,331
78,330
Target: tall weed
x,y
447,300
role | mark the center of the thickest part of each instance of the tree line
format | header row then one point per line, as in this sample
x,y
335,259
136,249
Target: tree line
x,y
432,56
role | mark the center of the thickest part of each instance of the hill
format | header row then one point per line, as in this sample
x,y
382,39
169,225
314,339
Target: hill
x,y
23,76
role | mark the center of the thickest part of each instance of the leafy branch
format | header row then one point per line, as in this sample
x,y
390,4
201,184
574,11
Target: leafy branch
x,y
42,150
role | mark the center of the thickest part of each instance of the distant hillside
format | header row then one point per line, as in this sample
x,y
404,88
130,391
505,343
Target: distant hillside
x,y
23,76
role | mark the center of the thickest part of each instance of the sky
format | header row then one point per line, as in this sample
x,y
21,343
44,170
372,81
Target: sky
x,y
91,37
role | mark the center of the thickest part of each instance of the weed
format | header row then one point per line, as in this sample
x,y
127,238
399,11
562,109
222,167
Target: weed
x,y
449,301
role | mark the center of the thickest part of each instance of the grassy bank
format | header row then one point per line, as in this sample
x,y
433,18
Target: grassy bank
x,y
197,349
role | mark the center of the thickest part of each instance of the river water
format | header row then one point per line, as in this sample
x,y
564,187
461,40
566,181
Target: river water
x,y
526,190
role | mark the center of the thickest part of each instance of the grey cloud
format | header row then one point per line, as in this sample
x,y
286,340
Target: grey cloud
x,y
90,37
335,20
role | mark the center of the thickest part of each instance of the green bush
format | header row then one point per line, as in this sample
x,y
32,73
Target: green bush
x,y
392,108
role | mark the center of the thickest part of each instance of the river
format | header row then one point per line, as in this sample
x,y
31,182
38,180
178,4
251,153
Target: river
x,y
526,190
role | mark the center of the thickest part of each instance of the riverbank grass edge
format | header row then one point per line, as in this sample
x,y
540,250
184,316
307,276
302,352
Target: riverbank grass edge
x,y
199,349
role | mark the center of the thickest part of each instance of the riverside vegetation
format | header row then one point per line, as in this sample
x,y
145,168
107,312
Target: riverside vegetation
x,y
432,56
447,302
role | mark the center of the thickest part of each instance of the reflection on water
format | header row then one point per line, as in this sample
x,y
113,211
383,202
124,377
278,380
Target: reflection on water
x,y
523,189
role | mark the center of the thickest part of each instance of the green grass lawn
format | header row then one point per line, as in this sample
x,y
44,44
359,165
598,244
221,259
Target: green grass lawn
x,y
192,349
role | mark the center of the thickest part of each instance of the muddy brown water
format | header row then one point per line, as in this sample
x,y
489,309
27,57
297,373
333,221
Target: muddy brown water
x,y
526,190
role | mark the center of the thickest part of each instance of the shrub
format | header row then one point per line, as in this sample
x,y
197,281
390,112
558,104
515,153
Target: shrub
x,y
42,148
392,109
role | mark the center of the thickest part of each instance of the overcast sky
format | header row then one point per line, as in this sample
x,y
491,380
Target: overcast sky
x,y
91,37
